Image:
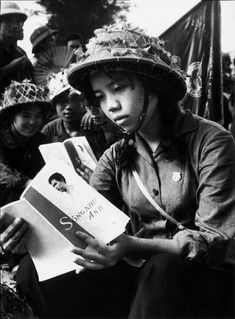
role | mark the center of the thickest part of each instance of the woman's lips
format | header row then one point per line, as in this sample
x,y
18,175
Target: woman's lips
x,y
120,118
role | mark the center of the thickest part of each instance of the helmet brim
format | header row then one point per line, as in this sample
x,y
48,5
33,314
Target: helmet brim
x,y
5,113
160,72
22,15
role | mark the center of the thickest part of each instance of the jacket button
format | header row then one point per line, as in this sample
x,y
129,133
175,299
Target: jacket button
x,y
155,192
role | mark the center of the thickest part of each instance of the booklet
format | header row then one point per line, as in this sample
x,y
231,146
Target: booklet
x,y
74,151
56,204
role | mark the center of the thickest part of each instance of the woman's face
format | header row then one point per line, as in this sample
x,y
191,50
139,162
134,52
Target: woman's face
x,y
28,121
121,98
12,26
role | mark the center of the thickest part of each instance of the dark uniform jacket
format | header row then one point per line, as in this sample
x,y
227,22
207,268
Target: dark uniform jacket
x,y
192,177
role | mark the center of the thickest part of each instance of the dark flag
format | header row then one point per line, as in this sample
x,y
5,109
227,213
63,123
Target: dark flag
x,y
195,39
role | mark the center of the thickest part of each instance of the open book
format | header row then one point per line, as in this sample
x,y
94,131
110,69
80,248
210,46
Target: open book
x,y
56,204
74,151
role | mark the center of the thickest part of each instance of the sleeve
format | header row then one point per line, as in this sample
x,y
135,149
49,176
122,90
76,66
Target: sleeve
x,y
10,177
214,161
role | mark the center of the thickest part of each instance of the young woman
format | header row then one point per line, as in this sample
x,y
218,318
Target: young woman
x,y
173,174
22,115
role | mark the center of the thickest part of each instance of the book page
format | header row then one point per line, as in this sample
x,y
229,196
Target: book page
x,y
54,150
82,152
81,141
49,249
75,152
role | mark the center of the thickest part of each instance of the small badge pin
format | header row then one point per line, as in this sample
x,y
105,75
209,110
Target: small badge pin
x,y
176,176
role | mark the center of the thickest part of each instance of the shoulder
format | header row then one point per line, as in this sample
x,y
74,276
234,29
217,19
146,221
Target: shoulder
x,y
53,125
210,131
199,129
211,145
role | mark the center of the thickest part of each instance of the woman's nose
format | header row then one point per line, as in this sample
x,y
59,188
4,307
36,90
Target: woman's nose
x,y
113,105
33,121
68,106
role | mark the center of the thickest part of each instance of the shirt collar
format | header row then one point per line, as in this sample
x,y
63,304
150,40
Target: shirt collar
x,y
184,124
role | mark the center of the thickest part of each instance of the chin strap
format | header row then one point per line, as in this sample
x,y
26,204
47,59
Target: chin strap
x,y
128,135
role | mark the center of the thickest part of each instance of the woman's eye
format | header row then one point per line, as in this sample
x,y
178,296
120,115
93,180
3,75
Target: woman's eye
x,y
39,117
118,88
99,97
25,116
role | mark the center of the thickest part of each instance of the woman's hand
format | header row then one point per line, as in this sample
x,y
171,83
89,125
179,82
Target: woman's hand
x,y
12,235
98,255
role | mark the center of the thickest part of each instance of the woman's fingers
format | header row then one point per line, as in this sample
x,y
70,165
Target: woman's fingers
x,y
91,241
20,247
96,255
88,264
90,254
12,234
10,230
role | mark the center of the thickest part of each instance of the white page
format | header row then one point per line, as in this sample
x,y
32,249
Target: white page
x,y
54,150
49,250
58,150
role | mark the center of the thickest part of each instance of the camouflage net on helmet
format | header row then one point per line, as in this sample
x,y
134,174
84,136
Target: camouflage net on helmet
x,y
23,92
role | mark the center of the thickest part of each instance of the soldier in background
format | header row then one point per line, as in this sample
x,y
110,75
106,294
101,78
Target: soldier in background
x,y
14,63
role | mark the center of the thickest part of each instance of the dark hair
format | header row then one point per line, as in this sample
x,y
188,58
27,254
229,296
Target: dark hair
x,y
76,36
57,176
19,107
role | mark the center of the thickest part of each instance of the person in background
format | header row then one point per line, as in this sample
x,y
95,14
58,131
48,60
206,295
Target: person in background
x,y
14,63
22,113
74,41
173,174
70,106
112,132
42,39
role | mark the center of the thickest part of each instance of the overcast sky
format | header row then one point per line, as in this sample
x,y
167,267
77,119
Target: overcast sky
x,y
158,15
154,15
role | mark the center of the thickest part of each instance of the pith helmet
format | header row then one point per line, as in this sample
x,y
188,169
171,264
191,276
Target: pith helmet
x,y
40,34
127,48
58,85
18,93
11,8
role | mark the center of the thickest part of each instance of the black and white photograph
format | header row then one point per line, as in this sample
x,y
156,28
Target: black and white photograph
x,y
117,159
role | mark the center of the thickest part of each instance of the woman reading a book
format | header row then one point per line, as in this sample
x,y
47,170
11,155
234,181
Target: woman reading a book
x,y
173,174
